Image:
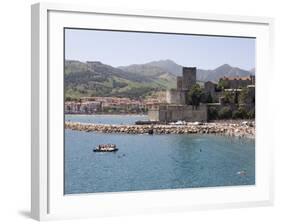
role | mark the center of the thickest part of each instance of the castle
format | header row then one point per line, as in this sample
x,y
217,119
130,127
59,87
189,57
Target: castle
x,y
184,84
176,107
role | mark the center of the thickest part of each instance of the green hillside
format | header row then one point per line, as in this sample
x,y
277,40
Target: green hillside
x,y
97,79
134,81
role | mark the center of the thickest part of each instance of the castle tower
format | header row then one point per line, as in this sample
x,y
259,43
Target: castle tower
x,y
189,77
179,83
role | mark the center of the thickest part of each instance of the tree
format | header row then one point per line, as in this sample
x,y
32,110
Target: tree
x,y
223,84
209,98
225,113
241,113
243,96
228,97
68,98
251,114
194,95
212,113
236,97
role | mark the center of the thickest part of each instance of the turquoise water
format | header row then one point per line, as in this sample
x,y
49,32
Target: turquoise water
x,y
150,162
106,119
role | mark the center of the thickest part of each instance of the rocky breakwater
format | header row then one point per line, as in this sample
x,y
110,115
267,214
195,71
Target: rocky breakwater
x,y
242,129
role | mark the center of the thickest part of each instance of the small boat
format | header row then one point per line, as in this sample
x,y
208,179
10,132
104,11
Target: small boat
x,y
106,148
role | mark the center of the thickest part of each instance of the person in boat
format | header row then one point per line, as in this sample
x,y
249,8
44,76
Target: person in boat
x,y
107,146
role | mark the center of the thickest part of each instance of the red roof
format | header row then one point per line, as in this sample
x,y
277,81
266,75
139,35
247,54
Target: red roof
x,y
244,78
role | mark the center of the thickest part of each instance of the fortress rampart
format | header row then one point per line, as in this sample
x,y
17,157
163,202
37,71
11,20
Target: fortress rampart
x,y
178,112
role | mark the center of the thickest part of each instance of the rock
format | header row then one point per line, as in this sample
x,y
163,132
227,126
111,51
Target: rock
x,y
198,123
239,130
241,173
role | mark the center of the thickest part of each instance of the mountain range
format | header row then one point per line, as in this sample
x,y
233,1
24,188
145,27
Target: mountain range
x,y
176,69
138,80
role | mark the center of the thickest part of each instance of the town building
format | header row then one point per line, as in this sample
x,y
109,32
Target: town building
x,y
95,105
235,82
83,107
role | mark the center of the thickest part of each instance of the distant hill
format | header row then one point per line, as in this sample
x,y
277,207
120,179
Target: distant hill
x,y
221,71
172,68
168,66
98,79
134,81
154,68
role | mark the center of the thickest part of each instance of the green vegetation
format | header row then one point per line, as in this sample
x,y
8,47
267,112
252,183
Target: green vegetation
x,y
244,96
209,98
251,114
239,105
194,95
241,113
223,84
225,113
228,97
213,113
97,79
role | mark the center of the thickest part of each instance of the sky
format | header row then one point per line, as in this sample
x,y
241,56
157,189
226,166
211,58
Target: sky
x,y
117,48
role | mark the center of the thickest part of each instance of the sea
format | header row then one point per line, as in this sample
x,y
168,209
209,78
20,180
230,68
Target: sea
x,y
153,162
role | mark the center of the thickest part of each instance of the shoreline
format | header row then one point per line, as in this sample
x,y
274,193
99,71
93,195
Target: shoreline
x,y
241,129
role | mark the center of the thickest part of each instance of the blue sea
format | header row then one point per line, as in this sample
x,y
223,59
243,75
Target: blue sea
x,y
106,119
153,162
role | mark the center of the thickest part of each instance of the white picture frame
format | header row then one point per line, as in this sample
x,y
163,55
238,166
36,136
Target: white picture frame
x,y
47,199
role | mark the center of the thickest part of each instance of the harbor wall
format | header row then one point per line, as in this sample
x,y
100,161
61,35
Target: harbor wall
x,y
239,130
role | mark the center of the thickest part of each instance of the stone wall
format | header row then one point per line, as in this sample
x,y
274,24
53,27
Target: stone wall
x,y
174,96
199,114
172,113
210,87
179,82
153,114
238,82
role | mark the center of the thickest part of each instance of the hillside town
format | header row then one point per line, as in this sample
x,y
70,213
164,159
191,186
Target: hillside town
x,y
109,105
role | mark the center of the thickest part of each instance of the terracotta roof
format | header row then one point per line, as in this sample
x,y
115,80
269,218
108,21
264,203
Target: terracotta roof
x,y
237,78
